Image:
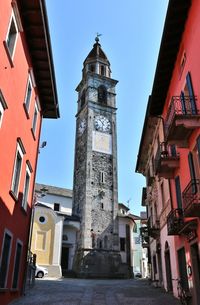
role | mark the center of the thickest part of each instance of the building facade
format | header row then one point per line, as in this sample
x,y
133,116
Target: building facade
x,y
53,237
27,94
95,192
173,118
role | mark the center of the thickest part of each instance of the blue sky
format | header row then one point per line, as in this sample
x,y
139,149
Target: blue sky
x,y
131,34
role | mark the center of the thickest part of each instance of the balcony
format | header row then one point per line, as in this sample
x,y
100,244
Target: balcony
x,y
144,236
166,161
182,118
154,228
175,222
144,197
191,199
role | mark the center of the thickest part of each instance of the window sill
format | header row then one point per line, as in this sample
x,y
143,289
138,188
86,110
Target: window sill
x,y
3,290
33,134
8,54
13,195
26,111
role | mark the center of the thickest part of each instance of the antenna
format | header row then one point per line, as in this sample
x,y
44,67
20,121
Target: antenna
x,y
128,202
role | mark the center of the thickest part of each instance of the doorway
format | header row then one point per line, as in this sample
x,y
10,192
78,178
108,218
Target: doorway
x,y
168,267
195,272
64,258
183,269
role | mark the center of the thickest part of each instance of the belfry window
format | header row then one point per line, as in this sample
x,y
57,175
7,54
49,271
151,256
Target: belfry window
x,y
92,68
83,98
102,95
102,70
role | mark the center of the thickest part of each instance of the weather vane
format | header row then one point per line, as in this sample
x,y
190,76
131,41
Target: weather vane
x,y
97,37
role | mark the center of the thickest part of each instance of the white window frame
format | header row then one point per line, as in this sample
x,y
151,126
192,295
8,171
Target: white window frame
x,y
18,241
9,255
3,106
7,35
35,118
27,105
20,149
26,188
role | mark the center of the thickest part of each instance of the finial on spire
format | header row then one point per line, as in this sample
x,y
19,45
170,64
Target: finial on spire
x,y
97,37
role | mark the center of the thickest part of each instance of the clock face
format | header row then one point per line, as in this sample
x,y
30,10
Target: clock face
x,y
82,126
101,123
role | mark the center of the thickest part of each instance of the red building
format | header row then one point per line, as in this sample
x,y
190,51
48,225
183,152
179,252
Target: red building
x,y
27,94
175,101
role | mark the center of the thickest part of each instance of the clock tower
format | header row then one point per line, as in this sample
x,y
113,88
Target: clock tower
x,y
95,191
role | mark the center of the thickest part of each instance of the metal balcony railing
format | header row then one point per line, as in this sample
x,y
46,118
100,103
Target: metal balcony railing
x,y
191,199
175,221
144,236
180,106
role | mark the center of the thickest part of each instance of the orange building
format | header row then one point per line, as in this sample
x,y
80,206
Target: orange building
x,y
27,94
171,135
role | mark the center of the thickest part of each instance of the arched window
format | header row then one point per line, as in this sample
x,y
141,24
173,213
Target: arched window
x,y
83,98
102,70
92,68
102,95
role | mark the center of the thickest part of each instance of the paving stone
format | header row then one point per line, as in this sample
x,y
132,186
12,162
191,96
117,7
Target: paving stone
x,y
95,292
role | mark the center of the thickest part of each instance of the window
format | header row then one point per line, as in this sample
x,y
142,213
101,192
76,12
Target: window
x,y
83,98
17,265
42,219
26,188
102,177
56,206
3,106
17,168
35,116
102,95
28,94
122,244
178,192
5,258
11,37
102,70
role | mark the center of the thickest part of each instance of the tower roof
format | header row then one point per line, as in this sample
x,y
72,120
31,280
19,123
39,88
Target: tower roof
x,y
97,53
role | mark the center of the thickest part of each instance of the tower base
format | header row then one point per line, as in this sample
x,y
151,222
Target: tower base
x,y
98,263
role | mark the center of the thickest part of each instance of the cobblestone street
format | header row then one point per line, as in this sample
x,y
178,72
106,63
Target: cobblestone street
x,y
95,292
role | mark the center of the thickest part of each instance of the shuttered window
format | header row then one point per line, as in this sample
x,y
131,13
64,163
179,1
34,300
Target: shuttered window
x,y
191,93
192,172
178,192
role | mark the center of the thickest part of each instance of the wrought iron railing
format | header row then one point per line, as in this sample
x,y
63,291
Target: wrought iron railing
x,y
165,152
153,227
175,221
180,105
144,236
191,194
